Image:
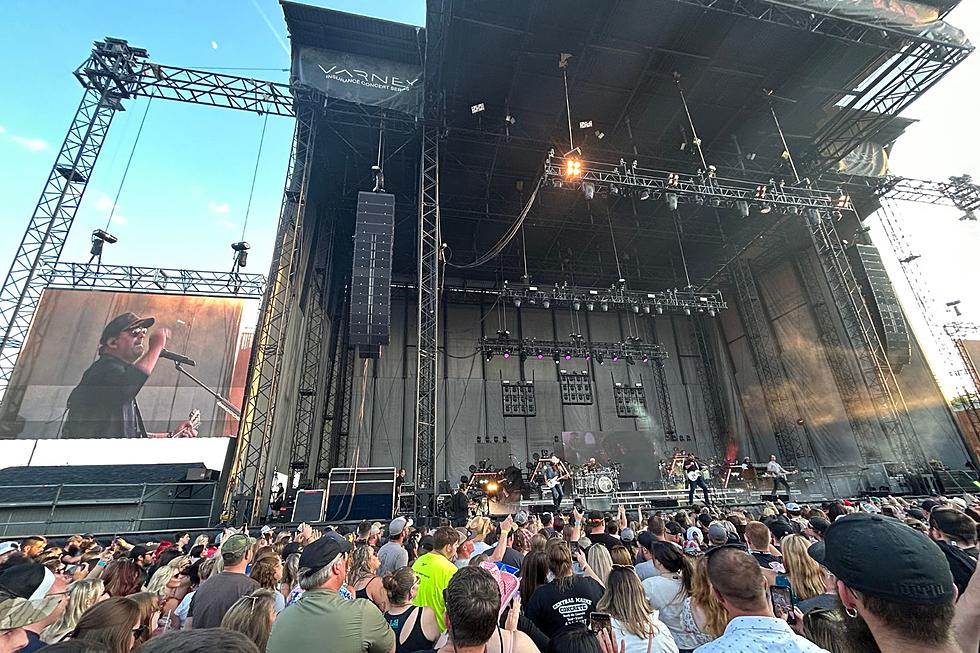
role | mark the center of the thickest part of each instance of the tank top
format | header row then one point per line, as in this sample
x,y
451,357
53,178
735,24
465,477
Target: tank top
x,y
417,640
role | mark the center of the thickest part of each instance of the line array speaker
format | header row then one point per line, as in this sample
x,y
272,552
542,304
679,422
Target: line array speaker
x,y
881,298
370,296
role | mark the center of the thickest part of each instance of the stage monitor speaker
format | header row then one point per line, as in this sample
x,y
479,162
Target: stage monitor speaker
x,y
768,497
955,481
198,474
370,290
600,503
360,494
308,506
879,293
665,503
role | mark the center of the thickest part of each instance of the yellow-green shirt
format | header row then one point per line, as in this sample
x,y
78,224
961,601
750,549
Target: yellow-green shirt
x,y
433,571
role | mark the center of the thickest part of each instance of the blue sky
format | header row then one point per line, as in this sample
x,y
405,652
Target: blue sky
x,y
184,200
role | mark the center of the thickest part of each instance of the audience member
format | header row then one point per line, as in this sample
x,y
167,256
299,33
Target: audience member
x,y
634,622
415,627
216,594
894,583
566,600
149,615
16,614
956,535
352,626
253,616
434,570
34,582
805,577
600,561
393,555
82,595
362,578
669,592
596,526
738,581
114,622
205,640
267,571
122,578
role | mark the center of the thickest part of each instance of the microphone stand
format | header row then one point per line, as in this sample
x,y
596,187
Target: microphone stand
x,y
223,403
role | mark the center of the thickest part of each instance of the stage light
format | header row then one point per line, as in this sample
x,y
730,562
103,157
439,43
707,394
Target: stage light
x,y
492,487
671,199
573,167
584,124
241,253
546,303
615,358
489,356
969,215
568,356
503,334
588,356
766,208
477,108
636,308
577,305
605,306
598,357
510,120
645,359
660,310
743,208
760,192
687,311
523,356
674,180
644,194
588,189
599,134
711,312
517,302
614,191
506,355
589,306
646,309
556,356
539,355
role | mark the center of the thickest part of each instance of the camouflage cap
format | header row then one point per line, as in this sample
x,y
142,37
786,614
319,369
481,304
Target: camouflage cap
x,y
17,613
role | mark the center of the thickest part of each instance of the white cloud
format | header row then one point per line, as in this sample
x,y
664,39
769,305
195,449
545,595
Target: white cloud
x,y
214,45
119,219
221,208
32,144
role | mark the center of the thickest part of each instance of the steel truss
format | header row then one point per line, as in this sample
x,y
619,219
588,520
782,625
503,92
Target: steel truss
x,y
959,192
427,358
663,402
108,76
866,431
161,281
958,332
310,382
707,372
630,351
615,298
246,480
336,392
878,376
768,364
682,188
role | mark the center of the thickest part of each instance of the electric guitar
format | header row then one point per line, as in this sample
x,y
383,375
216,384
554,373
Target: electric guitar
x,y
193,420
550,483
788,473
694,475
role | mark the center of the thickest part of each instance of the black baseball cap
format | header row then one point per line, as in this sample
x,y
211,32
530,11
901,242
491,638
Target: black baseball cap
x,y
646,540
674,528
124,322
882,557
819,525
322,552
594,516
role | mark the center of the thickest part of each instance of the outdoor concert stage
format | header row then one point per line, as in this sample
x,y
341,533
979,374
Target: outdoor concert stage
x,y
591,223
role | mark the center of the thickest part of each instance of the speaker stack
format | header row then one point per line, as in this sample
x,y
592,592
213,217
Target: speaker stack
x,y
370,297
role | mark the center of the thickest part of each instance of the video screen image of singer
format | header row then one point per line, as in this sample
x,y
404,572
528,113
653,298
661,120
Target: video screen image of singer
x,y
130,365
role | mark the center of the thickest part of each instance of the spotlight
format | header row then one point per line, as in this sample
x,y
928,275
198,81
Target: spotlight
x,y
241,253
605,306
646,309
539,355
477,108
766,208
517,302
615,358
546,303
573,167
555,356
577,305
614,191
492,487
503,334
687,311
636,308
711,312
489,356
584,124
671,199
760,192
644,194
743,208
599,134
510,120
523,356
506,355
588,356
589,306
598,357
588,189
674,179
105,236
645,359
660,310
568,355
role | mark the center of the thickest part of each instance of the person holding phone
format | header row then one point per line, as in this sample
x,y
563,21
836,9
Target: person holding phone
x,y
737,579
629,616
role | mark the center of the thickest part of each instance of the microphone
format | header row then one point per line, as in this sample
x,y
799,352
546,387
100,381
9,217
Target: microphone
x,y
177,358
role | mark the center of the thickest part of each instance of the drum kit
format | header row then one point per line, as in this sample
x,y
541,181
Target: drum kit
x,y
599,479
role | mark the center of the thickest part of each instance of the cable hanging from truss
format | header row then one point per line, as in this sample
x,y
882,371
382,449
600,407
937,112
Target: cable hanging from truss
x,y
129,161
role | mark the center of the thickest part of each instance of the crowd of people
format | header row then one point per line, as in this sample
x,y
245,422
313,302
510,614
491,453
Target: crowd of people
x,y
859,576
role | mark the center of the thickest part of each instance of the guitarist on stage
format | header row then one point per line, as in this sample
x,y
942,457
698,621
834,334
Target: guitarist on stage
x,y
778,474
552,480
695,478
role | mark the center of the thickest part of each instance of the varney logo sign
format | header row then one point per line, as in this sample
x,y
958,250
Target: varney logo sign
x,y
364,78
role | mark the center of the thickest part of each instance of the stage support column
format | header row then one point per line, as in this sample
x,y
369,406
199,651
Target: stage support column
x,y
246,494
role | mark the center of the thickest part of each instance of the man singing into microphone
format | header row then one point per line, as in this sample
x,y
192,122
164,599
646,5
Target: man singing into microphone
x,y
103,404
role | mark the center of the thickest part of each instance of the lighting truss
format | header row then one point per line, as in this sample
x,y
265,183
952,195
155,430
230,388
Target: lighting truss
x,y
629,351
616,298
689,189
166,281
959,192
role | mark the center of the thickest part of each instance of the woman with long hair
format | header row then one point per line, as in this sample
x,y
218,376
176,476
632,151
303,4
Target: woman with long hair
x,y
149,605
82,595
362,577
805,575
114,623
669,592
704,611
416,627
621,556
290,575
534,572
546,606
600,561
253,615
267,571
634,622
170,583
192,576
539,542
122,578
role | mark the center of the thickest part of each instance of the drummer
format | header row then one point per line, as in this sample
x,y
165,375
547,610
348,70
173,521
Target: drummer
x,y
592,465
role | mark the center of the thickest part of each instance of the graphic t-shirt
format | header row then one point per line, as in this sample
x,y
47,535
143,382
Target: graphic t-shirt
x,y
554,606
769,561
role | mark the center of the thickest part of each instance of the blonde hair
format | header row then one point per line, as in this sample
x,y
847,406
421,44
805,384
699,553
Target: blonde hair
x,y
158,582
703,597
82,595
200,540
251,615
359,569
480,526
626,602
804,573
601,562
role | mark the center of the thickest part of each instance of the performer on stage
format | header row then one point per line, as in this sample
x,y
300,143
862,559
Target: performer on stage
x,y
552,480
460,506
695,478
103,404
778,474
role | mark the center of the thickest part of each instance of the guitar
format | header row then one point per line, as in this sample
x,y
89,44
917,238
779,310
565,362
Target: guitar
x,y
193,421
694,475
788,473
552,482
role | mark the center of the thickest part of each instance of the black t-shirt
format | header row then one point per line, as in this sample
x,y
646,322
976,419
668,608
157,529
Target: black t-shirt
x,y
460,504
605,539
103,404
513,558
769,561
553,607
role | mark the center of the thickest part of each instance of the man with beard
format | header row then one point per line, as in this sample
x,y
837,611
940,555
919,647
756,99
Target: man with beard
x,y
894,583
103,404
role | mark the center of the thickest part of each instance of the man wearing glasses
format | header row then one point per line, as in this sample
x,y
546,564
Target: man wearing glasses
x,y
103,404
